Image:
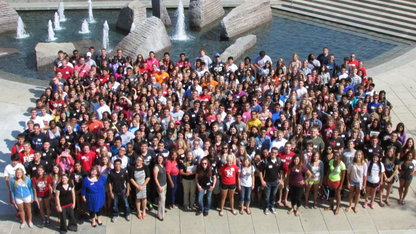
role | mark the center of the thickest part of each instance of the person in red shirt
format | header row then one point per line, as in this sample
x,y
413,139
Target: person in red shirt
x,y
228,172
66,71
18,147
361,67
87,157
123,104
42,187
104,77
286,157
327,129
353,62
27,155
204,95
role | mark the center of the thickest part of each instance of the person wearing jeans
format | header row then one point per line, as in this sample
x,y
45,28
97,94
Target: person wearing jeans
x,y
271,173
119,187
246,183
206,179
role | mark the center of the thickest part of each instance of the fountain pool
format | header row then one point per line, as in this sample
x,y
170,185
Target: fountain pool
x,y
278,39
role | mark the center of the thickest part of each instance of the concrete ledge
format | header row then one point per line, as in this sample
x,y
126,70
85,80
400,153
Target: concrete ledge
x,y
149,35
134,12
240,46
8,18
204,12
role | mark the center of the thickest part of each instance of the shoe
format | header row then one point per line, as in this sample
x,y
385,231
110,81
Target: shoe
x,y
206,213
273,210
198,213
372,205
22,225
128,218
150,207
365,204
266,211
48,222
43,223
99,224
114,219
188,208
30,225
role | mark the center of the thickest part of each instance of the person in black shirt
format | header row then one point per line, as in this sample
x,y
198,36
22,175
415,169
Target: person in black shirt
x,y
31,169
65,204
206,179
271,172
77,177
119,188
372,149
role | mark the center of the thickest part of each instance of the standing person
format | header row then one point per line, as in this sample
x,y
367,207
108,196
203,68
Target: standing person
x,y
391,164
407,171
297,182
172,171
228,173
188,170
22,196
206,179
42,191
375,177
77,177
356,179
139,176
119,187
93,194
335,179
9,173
246,182
316,167
159,173
65,204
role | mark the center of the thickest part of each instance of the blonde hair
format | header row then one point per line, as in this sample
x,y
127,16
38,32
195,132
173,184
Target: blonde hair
x,y
15,177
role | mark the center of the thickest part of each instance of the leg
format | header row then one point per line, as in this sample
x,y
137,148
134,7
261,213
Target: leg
x,y
144,204
406,188
116,212
186,191
193,193
267,196
126,202
28,208
242,196
223,197
72,224
92,217
62,218
280,196
47,205
350,197
273,191
201,201
138,205
209,199
231,199
308,189
388,191
338,197
401,181
292,196
21,211
175,183
42,210
315,194
331,198
357,198
247,201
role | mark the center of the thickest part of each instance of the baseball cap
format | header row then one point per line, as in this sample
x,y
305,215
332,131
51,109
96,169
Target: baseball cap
x,y
88,54
217,54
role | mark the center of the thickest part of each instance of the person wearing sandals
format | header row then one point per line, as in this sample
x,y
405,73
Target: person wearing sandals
x,y
375,177
391,164
42,191
228,173
297,182
205,179
335,179
246,183
22,196
316,167
407,171
93,194
65,204
271,177
159,173
139,178
356,179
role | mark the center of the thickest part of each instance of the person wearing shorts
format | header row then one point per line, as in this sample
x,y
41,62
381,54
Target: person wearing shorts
x,y
22,196
407,171
357,178
375,176
335,179
316,167
228,174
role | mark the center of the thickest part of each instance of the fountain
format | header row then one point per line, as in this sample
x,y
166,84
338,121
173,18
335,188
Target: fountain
x,y
51,34
90,16
106,41
56,22
132,27
20,31
84,27
180,24
61,10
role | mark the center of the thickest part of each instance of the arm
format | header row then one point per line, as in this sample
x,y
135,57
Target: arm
x,y
128,186
73,199
57,202
309,175
239,180
263,183
155,172
110,189
342,180
197,183
253,178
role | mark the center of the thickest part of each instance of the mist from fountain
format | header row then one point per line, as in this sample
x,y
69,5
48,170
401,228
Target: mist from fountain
x,y
180,24
84,27
61,10
106,41
56,22
20,30
51,33
132,27
90,15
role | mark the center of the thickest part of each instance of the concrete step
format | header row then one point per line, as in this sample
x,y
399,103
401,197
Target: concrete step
x,y
348,12
354,19
398,5
337,19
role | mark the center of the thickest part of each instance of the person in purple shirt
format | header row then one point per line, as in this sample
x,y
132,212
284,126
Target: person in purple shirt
x,y
297,182
239,93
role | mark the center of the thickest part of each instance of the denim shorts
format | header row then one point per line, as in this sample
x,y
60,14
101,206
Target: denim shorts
x,y
356,184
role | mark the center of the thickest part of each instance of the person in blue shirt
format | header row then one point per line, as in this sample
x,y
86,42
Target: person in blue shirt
x,y
276,112
255,106
331,65
22,196
263,141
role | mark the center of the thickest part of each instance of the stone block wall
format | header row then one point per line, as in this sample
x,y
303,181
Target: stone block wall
x,y
204,12
240,46
47,52
8,18
135,12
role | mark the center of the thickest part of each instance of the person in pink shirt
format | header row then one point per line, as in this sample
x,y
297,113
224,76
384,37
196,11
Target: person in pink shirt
x,y
172,170
82,68
152,60
246,113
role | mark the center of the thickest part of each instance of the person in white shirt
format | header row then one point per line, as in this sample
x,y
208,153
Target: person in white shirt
x,y
279,142
300,90
260,60
125,135
231,66
35,118
101,107
10,171
199,153
204,58
45,117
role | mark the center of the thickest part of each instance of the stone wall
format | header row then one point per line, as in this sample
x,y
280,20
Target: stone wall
x,y
245,17
47,52
204,12
164,16
135,12
240,46
8,18
149,35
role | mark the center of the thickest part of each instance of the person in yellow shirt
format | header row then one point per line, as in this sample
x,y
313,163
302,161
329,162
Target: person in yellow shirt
x,y
254,121
161,75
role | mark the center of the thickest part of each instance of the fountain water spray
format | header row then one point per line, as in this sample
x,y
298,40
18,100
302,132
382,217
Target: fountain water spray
x,y
84,27
56,22
90,16
61,10
180,24
20,31
106,41
51,34
132,27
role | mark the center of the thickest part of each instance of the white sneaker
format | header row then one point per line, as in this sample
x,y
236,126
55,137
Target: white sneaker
x,y
22,225
114,219
30,225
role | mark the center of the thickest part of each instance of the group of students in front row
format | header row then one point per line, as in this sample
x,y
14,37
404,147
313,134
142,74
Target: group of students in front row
x,y
220,175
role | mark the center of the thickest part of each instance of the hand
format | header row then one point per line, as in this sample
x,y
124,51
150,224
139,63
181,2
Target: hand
x,y
339,188
140,188
388,180
12,202
263,183
302,182
349,185
112,195
172,185
36,199
31,201
252,187
127,193
278,183
211,188
160,190
59,209
239,187
73,206
84,199
199,188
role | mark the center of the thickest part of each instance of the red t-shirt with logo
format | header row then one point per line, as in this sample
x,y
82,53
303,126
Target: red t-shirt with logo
x,y
286,159
229,174
42,187
86,159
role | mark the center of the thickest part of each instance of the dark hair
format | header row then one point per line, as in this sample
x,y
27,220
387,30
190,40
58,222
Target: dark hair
x,y
200,169
15,157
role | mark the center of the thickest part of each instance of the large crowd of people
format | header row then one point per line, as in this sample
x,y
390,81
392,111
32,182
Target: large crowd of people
x,y
125,135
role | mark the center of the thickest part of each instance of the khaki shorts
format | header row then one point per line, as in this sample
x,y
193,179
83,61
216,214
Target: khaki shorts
x,y
282,185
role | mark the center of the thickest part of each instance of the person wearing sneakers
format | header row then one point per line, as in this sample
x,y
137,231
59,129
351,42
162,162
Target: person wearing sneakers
x,y
22,195
119,187
375,177
9,172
